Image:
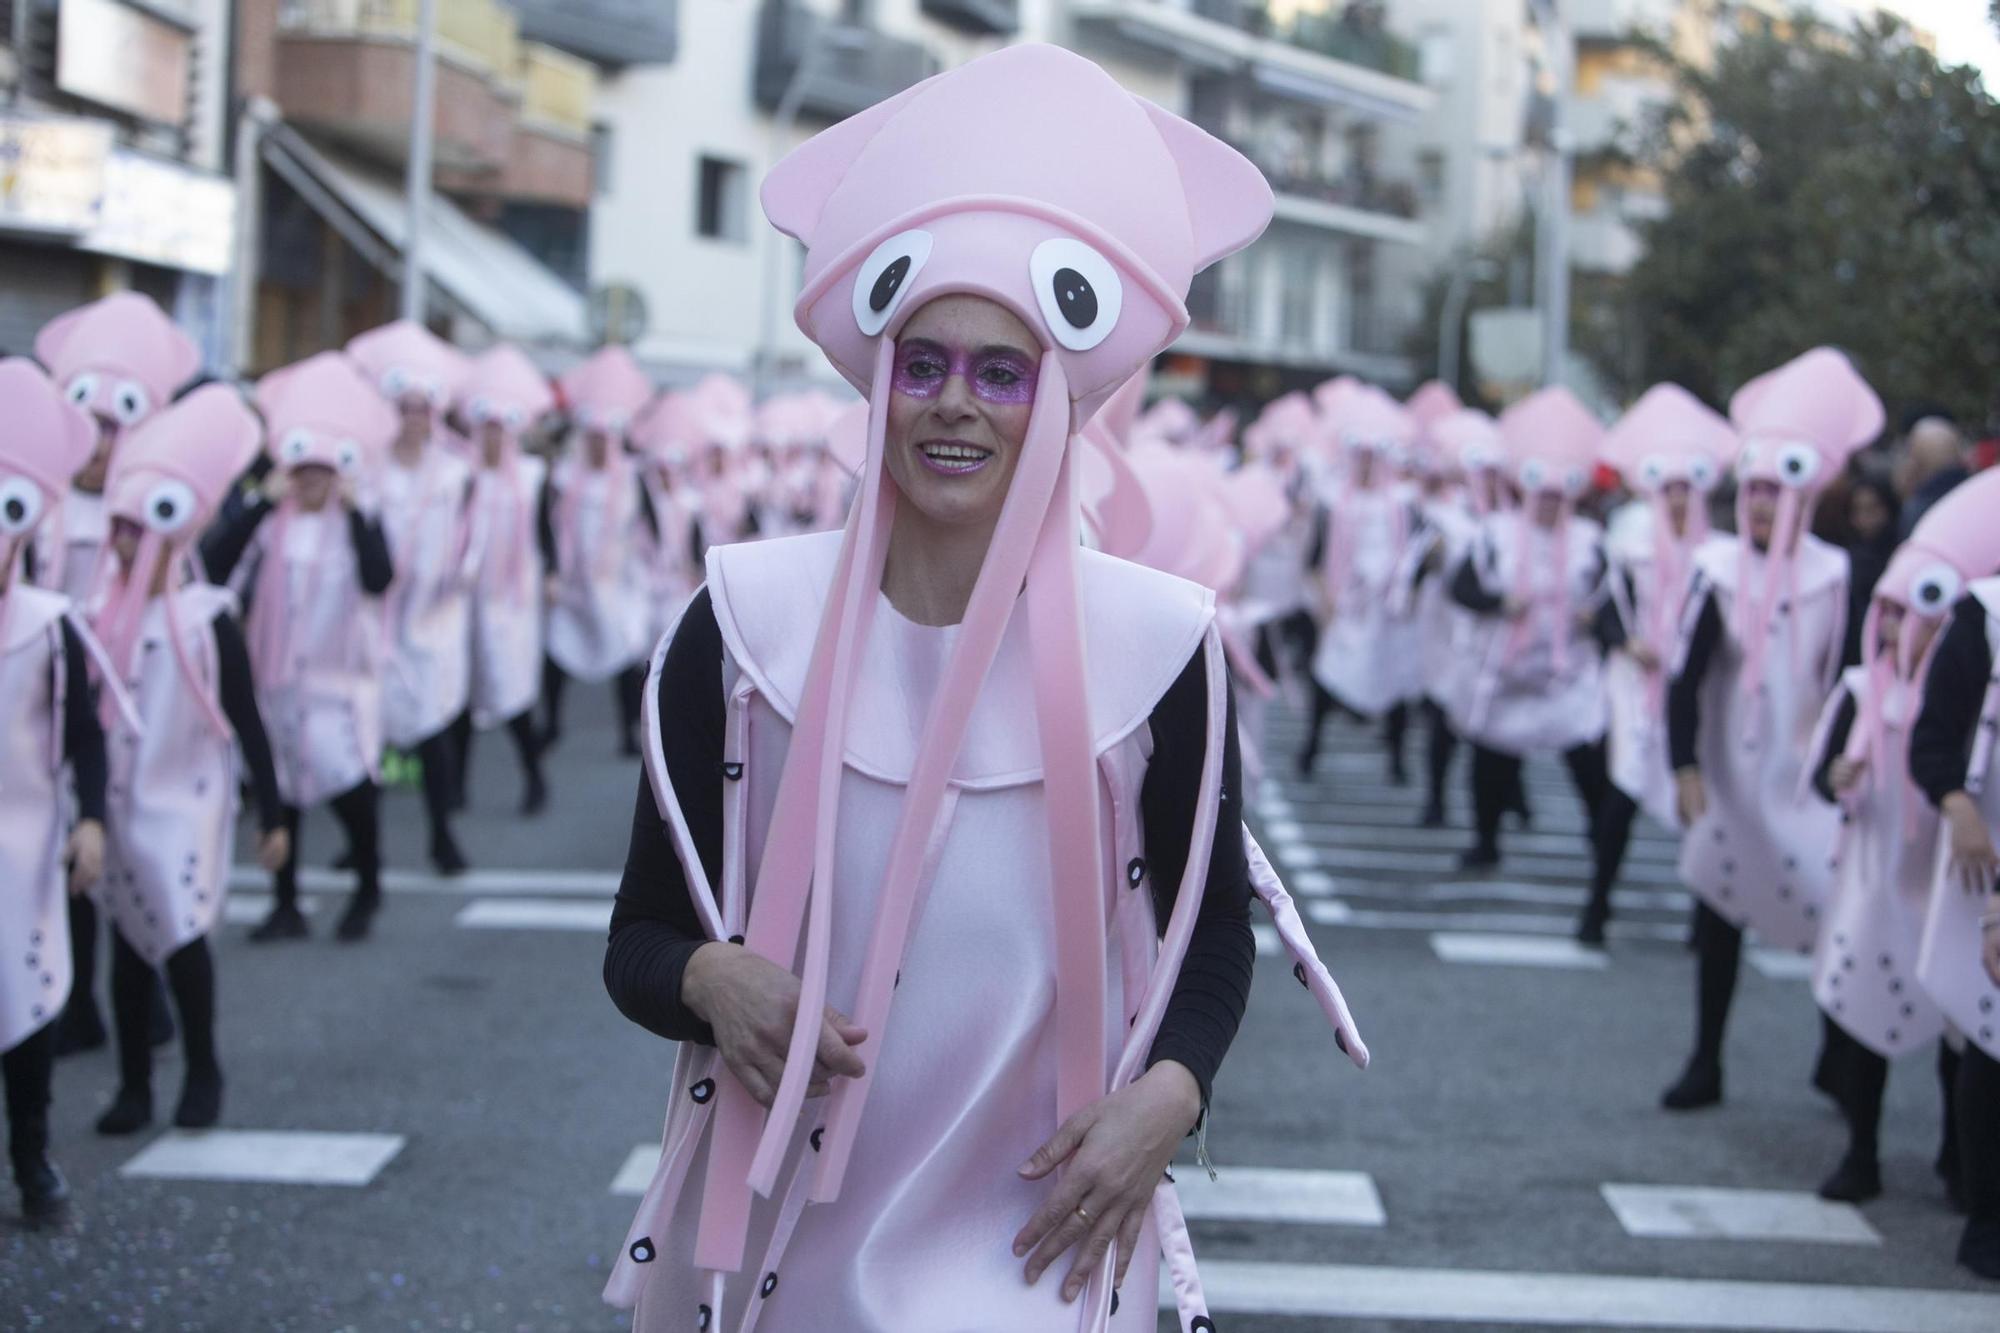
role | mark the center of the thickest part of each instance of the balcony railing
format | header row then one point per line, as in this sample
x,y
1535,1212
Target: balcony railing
x,y
1364,190
479,33
1352,33
1000,17
612,33
846,67
556,89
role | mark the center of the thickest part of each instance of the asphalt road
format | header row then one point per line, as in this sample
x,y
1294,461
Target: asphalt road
x,y
1502,1101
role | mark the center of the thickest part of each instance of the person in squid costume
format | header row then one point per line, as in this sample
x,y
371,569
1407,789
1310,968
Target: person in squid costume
x,y
729,477
601,526
1757,654
664,438
1436,455
309,557
425,489
120,359
502,397
1271,600
1671,450
173,638
48,720
1368,632
1865,965
1955,763
1531,578
946,777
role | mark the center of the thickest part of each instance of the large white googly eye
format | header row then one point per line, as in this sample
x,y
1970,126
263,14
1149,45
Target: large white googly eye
x,y
1653,472
82,390
1078,290
1747,460
394,382
886,276
435,392
480,411
1701,473
169,506
1798,464
130,402
347,455
1533,475
1478,458
20,505
292,450
1934,589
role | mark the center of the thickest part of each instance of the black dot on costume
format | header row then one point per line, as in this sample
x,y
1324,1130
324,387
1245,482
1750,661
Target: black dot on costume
x,y
702,1316
888,284
34,960
1076,298
1986,1004
1884,960
770,1284
1895,986
1847,963
642,1251
736,939
816,1136
1340,1040
1986,1034
1839,1007
1202,1324
1895,1034
1135,870
164,510
732,771
17,509
1114,1302
702,1091
1909,1010
1299,971
1728,867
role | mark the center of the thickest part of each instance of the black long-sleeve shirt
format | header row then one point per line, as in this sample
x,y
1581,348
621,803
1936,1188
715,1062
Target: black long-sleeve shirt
x,y
1836,742
1684,690
83,734
1941,738
655,930
223,545
239,705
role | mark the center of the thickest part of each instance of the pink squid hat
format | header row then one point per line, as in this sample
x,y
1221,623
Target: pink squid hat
x,y
847,438
608,391
504,386
170,477
1087,221
722,412
1365,419
119,358
1170,418
44,439
1552,441
1433,401
1800,423
1329,395
1470,441
1286,423
405,355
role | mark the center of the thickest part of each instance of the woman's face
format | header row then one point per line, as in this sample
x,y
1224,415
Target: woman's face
x,y
1761,506
1547,508
596,449
1676,494
1867,516
959,402
492,442
312,483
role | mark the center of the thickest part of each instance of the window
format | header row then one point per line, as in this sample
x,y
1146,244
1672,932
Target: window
x,y
600,159
721,188
1430,174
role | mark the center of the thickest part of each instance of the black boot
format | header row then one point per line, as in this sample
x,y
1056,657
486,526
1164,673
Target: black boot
x,y
285,922
201,1099
535,795
1979,1249
130,1111
1856,1180
445,854
359,918
163,1017
1590,927
1699,1085
1481,856
1433,816
81,1027
44,1192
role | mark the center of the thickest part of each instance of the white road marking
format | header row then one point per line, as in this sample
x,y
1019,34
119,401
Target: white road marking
x,y
1268,945
1328,911
1264,1194
1490,1299
1295,854
637,1173
250,909
1283,830
269,1157
564,883
1516,951
1411,837
1780,965
1310,883
1678,1212
534,914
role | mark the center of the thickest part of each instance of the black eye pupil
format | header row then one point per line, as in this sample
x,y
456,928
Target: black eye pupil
x,y
163,508
1075,298
888,284
17,508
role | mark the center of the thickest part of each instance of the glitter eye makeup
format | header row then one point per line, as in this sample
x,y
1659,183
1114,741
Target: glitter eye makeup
x,y
998,375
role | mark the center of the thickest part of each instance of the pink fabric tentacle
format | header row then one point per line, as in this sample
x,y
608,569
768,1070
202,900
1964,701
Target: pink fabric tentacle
x,y
993,597
196,678
774,1253
1243,664
1306,964
1170,1226
107,673
686,1121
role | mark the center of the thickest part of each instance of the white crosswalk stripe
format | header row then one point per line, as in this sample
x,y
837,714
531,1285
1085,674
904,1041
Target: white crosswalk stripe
x,y
534,914
1516,951
268,1157
1268,1194
1736,1214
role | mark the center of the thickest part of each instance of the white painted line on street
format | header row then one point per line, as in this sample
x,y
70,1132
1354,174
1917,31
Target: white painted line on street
x,y
1268,945
1473,891
1265,1194
1339,912
637,1173
1412,837
1311,883
1296,855
1516,951
1329,912
1676,1212
1283,830
565,883
269,1157
534,914
250,909
1584,1300
1781,965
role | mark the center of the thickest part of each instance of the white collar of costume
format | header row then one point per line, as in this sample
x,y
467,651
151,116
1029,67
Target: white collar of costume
x,y
1820,566
30,614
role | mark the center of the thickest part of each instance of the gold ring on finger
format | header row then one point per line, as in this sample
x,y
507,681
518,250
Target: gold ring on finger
x,y
1080,1213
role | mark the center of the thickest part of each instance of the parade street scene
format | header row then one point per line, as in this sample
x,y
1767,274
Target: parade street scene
x,y
1104,666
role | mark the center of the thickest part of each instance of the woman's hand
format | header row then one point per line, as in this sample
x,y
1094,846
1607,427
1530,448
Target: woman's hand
x,y
85,854
274,849
1690,796
1974,863
1843,773
750,1002
1642,654
1116,1149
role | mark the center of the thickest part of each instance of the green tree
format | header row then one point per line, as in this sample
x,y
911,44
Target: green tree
x,y
1829,187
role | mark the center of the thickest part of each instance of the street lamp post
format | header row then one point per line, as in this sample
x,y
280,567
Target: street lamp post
x,y
417,182
1552,229
1451,320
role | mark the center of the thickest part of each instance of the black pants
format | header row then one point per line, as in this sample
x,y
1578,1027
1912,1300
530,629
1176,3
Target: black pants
x,y
1718,954
1857,1077
1443,745
83,953
1612,835
1395,723
630,686
444,786
29,1072
1295,636
134,986
1978,1106
359,810
1496,786
521,728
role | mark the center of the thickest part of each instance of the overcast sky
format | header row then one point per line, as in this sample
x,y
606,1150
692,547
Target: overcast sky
x,y
1964,29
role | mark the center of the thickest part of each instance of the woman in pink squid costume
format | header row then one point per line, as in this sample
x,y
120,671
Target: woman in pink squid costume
x,y
730,476
1436,465
503,397
1955,763
48,720
119,359
1671,450
1271,603
425,491
1758,653
985,707
1371,530
309,557
1531,579
602,529
173,638
665,439
1865,967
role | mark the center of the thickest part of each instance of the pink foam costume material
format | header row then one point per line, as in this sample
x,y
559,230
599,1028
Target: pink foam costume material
x,y
405,357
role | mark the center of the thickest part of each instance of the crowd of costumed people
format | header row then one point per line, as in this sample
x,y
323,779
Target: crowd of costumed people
x,y
215,596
